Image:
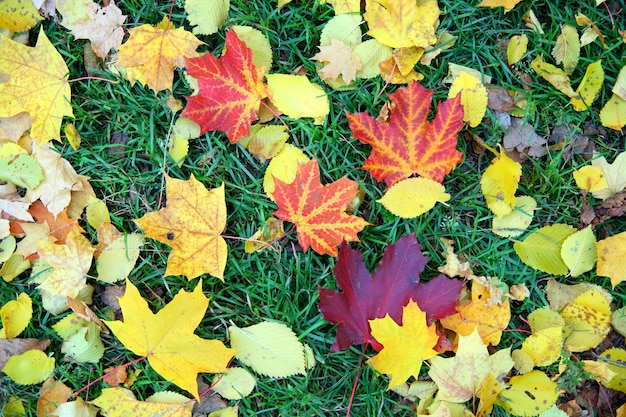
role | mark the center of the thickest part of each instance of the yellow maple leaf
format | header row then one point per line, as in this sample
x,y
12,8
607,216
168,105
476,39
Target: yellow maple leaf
x,y
507,4
167,338
461,377
338,60
152,53
611,254
478,313
499,183
400,23
404,346
70,263
36,83
191,223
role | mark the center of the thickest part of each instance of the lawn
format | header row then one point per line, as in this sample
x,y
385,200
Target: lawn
x,y
125,131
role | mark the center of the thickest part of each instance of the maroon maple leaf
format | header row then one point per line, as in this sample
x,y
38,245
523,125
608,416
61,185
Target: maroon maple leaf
x,y
395,282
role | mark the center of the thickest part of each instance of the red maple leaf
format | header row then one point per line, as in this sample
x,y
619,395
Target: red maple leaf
x,y
230,90
318,211
408,143
395,282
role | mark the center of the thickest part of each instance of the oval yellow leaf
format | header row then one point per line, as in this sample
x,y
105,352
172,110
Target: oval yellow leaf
x,y
589,87
258,44
297,97
619,88
16,315
116,261
518,220
31,367
567,48
613,114
235,384
473,97
413,196
542,249
578,251
516,49
532,391
590,178
97,212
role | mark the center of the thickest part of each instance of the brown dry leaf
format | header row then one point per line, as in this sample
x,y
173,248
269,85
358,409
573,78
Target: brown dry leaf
x,y
338,60
52,394
115,376
12,128
13,347
521,136
84,312
104,27
499,99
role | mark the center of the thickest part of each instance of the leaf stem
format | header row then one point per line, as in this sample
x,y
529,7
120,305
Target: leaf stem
x,y
109,373
93,78
356,380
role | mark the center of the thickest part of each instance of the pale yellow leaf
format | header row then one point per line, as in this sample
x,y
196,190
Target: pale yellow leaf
x,y
265,142
118,259
206,16
413,196
121,402
371,53
258,44
402,23
614,173
613,114
518,220
555,76
542,249
236,384
567,48
578,251
85,345
97,212
619,88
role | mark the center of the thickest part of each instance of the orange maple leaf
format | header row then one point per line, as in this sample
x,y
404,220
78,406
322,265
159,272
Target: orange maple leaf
x,y
230,90
191,223
409,144
318,211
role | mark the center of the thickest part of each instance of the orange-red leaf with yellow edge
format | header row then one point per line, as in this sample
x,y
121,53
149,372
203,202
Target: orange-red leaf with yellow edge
x,y
318,211
408,143
230,90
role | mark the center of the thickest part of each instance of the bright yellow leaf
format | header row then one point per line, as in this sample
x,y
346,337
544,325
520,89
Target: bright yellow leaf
x,y
206,16
507,4
18,15
31,367
542,249
72,135
283,167
404,346
590,178
567,48
588,321
371,53
183,130
488,394
589,87
461,377
413,196
37,84
297,97
555,76
269,348
578,251
615,359
151,53
402,23
120,402
613,114
518,220
544,346
516,48
197,245
97,212
611,254
16,315
167,338
480,314
473,97
14,407
499,183
614,173
532,391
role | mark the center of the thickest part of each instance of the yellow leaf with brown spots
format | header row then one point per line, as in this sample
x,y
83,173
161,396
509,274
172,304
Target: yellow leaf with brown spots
x,y
152,53
611,254
120,402
588,321
191,223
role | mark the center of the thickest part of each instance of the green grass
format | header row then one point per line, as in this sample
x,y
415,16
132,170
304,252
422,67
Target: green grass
x,y
281,285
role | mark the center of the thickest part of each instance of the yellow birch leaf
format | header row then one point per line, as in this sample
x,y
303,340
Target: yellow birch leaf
x,y
590,178
578,251
413,196
611,254
258,44
206,16
542,249
37,84
473,97
619,88
454,70
345,27
591,31
402,23
18,16
297,97
283,167
555,76
531,22
518,220
488,394
516,48
151,53
236,384
499,183
405,346
507,4
589,87
561,295
588,321
197,245
29,368
265,142
97,212
618,320
16,315
14,407
371,53
532,391
120,402
613,114
167,338
85,345
118,259
268,348
72,135
567,48
615,359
